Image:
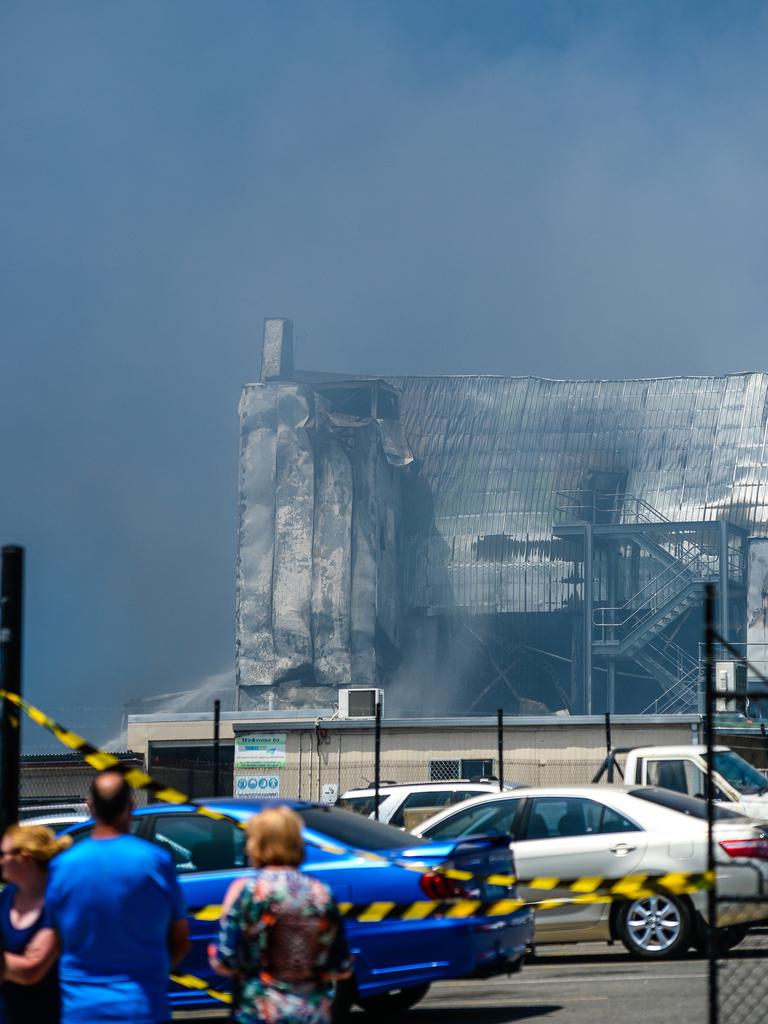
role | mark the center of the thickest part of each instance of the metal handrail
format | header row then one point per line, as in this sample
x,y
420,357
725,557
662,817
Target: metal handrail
x,y
616,504
676,659
653,588
669,701
683,689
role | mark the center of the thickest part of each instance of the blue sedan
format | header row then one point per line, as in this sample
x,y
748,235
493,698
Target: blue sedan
x,y
398,952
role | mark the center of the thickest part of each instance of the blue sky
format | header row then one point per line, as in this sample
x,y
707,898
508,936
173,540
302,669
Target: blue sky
x,y
562,189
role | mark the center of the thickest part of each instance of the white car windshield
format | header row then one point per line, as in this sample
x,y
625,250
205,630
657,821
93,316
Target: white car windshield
x,y
741,775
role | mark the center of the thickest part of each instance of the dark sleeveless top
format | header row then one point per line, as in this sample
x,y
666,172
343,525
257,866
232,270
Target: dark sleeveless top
x,y
23,1004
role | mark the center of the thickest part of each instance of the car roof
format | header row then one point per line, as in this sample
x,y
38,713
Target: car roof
x,y
231,806
586,789
392,787
678,750
55,819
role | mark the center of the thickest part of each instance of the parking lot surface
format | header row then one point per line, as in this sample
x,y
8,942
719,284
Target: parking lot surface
x,y
586,984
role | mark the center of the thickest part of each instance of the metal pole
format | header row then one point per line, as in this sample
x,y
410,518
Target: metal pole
x,y
216,746
725,625
500,743
377,759
608,747
613,569
589,577
11,600
301,752
764,734
709,720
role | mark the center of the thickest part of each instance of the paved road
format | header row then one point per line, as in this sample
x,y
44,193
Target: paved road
x,y
586,984
593,983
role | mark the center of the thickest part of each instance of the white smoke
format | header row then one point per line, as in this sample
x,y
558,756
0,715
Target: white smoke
x,y
198,698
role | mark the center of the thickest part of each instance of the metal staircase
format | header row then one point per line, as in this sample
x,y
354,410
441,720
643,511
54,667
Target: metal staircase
x,y
668,595
640,575
679,673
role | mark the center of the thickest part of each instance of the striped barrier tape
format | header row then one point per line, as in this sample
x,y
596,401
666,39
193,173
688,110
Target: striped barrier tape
x,y
584,890
139,779
100,759
193,982
587,889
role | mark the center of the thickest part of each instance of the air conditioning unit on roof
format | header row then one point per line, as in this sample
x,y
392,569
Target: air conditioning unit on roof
x,y
360,703
731,678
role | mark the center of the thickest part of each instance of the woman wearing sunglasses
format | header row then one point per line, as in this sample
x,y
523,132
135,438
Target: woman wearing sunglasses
x,y
30,988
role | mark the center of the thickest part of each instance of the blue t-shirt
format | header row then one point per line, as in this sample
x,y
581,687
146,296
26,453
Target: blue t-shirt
x,y
112,902
25,1003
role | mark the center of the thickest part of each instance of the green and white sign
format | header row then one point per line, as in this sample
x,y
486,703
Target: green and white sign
x,y
260,750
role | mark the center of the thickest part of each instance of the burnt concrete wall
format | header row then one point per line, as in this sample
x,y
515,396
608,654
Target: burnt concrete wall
x,y
317,572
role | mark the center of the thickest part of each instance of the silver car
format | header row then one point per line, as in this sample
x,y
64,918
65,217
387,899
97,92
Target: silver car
x,y
612,831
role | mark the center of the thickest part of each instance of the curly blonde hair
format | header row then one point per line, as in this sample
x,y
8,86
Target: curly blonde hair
x,y
274,837
38,842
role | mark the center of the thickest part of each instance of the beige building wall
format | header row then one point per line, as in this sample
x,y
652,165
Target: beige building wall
x,y
326,757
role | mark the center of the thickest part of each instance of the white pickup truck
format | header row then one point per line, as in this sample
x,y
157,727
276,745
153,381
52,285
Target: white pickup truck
x,y
738,784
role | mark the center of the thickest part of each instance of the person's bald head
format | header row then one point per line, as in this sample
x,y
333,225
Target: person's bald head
x,y
111,799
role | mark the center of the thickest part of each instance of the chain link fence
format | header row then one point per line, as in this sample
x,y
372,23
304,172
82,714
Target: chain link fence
x,y
52,782
743,979
741,963
325,774
737,934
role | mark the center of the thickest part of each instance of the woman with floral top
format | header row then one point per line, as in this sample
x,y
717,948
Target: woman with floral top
x,y
281,937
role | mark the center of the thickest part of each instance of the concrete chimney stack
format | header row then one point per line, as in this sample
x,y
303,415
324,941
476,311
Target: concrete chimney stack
x,y
277,350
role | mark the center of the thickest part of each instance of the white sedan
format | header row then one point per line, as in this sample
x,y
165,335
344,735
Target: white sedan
x,y
603,831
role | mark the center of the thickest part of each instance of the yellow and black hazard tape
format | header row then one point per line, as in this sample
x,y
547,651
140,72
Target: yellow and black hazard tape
x,y
193,982
580,890
586,889
583,890
101,759
139,779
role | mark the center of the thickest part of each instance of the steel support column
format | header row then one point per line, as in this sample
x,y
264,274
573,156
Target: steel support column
x,y
589,577
724,610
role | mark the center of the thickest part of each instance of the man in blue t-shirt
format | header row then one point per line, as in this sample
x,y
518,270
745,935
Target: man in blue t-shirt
x,y
116,907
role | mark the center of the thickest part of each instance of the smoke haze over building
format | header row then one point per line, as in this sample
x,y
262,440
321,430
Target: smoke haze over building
x,y
566,190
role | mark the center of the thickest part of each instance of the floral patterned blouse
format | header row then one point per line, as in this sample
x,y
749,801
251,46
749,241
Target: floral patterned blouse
x,y
284,939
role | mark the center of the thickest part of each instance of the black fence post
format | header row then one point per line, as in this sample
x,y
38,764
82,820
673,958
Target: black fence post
x,y
377,760
709,731
500,743
608,747
11,599
216,747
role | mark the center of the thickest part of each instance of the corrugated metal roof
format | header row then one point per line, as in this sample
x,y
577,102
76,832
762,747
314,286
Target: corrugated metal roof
x,y
493,451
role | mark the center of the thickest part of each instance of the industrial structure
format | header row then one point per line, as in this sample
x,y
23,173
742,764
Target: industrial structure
x,y
466,543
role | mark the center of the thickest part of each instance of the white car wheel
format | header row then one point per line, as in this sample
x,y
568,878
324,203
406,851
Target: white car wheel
x,y
655,927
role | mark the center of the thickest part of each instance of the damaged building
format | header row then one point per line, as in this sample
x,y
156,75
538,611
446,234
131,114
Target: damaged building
x,y
472,542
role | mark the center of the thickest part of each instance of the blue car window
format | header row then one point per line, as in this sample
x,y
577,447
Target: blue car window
x,y
200,844
85,831
353,829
